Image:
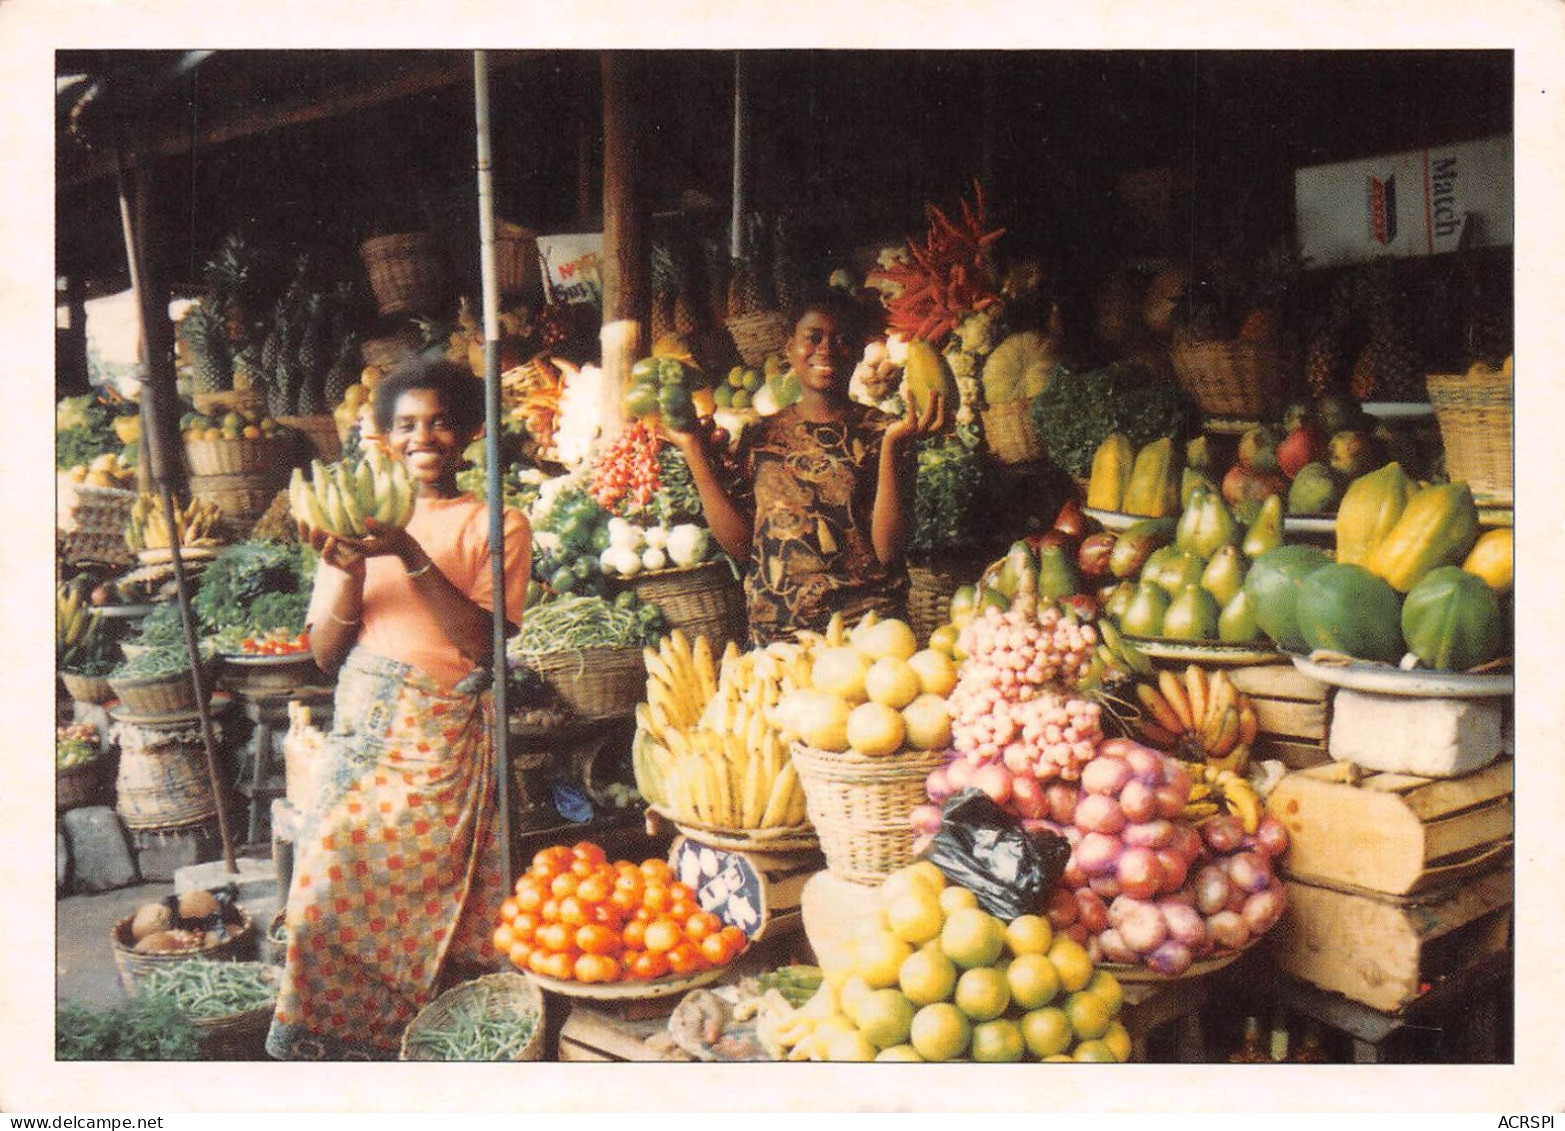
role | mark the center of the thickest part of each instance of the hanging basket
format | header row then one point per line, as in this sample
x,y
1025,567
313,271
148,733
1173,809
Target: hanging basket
x,y
594,683
1230,377
406,274
756,335
1009,434
859,807
701,600
1475,415
507,997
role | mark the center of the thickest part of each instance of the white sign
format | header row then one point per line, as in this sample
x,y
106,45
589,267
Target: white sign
x,y
570,267
1423,202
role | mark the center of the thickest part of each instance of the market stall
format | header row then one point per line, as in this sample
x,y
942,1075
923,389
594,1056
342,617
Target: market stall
x,y
1194,742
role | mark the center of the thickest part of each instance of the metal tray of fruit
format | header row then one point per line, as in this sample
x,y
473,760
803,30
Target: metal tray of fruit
x,y
628,991
1200,967
1425,683
1116,521
1205,651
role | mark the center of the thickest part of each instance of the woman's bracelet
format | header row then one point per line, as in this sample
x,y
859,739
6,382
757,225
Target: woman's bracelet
x,y
344,623
421,570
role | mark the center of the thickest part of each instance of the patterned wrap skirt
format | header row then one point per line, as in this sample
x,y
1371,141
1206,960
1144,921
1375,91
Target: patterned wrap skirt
x,y
396,866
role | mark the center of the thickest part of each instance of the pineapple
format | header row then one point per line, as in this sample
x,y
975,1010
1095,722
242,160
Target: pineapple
x,y
344,370
715,268
282,390
248,372
314,356
665,285
787,269
230,277
204,337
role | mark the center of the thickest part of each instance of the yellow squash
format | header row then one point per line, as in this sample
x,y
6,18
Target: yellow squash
x,y
1154,481
1493,559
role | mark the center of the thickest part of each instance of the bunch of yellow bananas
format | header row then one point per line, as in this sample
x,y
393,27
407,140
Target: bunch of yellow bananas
x,y
1214,791
337,498
77,626
1200,718
147,528
706,749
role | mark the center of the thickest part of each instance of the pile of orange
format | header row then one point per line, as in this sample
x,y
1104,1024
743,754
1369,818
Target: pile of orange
x,y
575,916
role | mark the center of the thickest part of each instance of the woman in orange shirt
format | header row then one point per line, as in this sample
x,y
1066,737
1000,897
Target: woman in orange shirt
x,y
396,884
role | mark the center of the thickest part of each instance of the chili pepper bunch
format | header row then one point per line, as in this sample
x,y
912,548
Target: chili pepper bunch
x,y
950,274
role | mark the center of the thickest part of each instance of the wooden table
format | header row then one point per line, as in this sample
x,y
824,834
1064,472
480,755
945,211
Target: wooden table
x,y
1151,1005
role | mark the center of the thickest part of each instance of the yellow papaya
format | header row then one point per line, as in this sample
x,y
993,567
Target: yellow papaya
x,y
1155,479
1493,559
1438,527
1369,509
924,374
1111,467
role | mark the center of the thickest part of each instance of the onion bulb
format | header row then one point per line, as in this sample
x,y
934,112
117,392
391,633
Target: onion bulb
x,y
1229,930
1099,813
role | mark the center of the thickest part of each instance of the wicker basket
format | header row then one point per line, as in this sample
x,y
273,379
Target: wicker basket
x,y
1475,412
162,781
246,402
932,582
87,688
1236,378
238,457
756,335
702,600
156,695
133,966
594,683
859,807
406,273
80,785
516,261
492,996
243,499
1009,434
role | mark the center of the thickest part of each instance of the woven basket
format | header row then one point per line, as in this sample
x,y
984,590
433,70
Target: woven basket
x,y
756,335
406,273
859,807
516,261
1230,377
237,457
156,695
702,600
932,582
134,966
1009,434
87,688
1475,414
246,402
594,683
493,996
162,781
78,786
243,499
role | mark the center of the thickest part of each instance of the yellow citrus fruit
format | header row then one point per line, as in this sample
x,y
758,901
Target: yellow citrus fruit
x,y
1088,1015
878,958
972,937
982,993
936,673
940,1031
851,1046
850,994
955,899
885,1017
1032,980
926,722
902,1054
916,916
1046,1032
821,720
929,872
1071,962
1118,1040
943,640
875,730
1107,987
892,681
1094,1051
1029,934
903,882
840,671
889,637
927,976
998,1041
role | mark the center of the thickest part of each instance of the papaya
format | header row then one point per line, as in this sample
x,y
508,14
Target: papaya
x,y
1273,586
1118,600
924,374
1191,614
1190,479
1019,561
1492,558
1438,527
1144,614
1345,608
1452,620
1111,468
1153,489
1369,509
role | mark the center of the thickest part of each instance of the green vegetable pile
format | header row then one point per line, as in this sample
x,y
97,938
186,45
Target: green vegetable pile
x,y
1079,410
254,587
84,430
207,988
153,664
472,1030
145,1028
571,622
950,478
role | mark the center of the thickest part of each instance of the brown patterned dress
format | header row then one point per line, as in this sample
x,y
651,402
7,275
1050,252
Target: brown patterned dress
x,y
812,489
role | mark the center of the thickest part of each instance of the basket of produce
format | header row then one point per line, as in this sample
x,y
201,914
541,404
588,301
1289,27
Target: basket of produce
x,y
229,1002
1230,377
496,1017
701,600
594,683
587,651
859,806
1009,433
148,532
168,932
759,334
933,580
155,683
1474,410
406,273
222,456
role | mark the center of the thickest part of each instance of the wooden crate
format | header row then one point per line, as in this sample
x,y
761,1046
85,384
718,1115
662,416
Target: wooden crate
x,y
1385,951
1294,712
1392,833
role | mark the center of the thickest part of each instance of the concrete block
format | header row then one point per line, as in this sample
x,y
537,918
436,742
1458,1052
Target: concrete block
x,y
161,853
100,856
1425,737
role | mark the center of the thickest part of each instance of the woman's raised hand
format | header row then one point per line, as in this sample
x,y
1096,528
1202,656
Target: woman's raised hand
x,y
348,554
916,425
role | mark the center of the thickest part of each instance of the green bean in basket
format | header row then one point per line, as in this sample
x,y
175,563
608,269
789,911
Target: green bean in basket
x,y
467,1032
204,988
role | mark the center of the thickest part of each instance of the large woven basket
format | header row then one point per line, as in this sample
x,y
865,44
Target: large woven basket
x,y
594,683
162,781
133,966
702,600
87,688
516,261
406,273
1236,378
1009,434
1475,415
237,457
932,582
859,807
79,785
756,335
493,996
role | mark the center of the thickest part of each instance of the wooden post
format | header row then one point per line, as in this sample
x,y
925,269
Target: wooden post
x,y
586,143
626,302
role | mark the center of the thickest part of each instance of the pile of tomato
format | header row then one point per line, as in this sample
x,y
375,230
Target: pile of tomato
x,y
576,916
276,643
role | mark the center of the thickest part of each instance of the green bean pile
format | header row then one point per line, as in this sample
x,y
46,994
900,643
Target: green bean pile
x,y
206,988
568,623
469,1031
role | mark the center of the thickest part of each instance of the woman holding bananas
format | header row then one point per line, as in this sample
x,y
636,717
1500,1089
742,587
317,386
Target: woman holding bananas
x,y
396,880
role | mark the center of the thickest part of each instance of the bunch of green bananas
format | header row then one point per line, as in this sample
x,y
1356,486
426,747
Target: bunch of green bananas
x,y
337,498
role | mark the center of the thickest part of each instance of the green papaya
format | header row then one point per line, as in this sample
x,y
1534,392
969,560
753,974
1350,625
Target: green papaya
x,y
1191,615
1345,608
1273,585
1316,489
1224,574
1144,615
1153,489
1265,531
1056,573
1236,623
1452,620
1137,542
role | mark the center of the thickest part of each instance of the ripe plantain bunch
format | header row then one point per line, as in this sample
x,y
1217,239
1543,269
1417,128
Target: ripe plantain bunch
x,y
338,497
148,528
1201,718
1215,791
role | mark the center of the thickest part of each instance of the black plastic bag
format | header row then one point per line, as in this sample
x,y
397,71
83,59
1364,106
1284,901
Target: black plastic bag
x,y
983,848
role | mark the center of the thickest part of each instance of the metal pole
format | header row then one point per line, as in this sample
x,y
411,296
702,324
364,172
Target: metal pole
x,y
736,219
496,493
162,468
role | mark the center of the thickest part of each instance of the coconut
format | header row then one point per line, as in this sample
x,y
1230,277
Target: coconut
x,y
150,918
198,904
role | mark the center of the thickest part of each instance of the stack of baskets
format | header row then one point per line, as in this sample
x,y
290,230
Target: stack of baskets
x,y
1475,414
241,476
170,694
406,272
1237,378
1009,434
701,600
859,807
162,783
